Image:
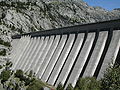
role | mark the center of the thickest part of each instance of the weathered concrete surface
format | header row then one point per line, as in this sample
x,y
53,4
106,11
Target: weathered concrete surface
x,y
48,56
25,60
54,58
15,52
26,52
15,44
25,45
33,59
111,53
81,60
70,60
18,52
31,53
45,51
61,59
40,53
32,65
94,60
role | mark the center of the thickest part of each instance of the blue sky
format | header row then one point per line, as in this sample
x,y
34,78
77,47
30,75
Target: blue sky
x,y
107,4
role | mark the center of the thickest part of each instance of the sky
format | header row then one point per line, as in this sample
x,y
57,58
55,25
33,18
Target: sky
x,y
107,4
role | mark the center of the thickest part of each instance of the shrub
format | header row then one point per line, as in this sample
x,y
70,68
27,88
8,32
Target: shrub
x,y
9,64
35,85
3,52
5,75
88,83
7,44
69,87
30,73
111,78
60,87
19,74
1,66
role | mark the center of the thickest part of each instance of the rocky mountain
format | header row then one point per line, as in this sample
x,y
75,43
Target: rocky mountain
x,y
21,16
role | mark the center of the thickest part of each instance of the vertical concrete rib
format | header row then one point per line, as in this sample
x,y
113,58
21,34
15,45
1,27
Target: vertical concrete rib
x,y
111,53
15,44
19,50
16,51
54,58
45,51
62,59
26,52
24,60
94,60
70,60
27,41
48,56
43,48
81,60
31,54
32,59
29,67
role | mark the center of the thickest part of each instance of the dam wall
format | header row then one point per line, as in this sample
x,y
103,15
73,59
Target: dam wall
x,y
66,54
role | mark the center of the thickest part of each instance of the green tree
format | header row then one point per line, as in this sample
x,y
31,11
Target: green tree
x,y
69,87
8,65
3,52
35,85
60,87
19,74
111,78
1,66
88,83
5,75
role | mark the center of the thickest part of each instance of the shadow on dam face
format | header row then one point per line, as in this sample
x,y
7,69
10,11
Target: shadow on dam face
x,y
66,54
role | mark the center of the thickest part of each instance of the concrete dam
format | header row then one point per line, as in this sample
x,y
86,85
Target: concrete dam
x,y
65,54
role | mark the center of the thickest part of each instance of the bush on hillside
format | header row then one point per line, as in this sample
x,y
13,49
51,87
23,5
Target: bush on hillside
x,y
35,85
5,75
111,78
88,83
69,87
19,74
60,87
7,44
3,52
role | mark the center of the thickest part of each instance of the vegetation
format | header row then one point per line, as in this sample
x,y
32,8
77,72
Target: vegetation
x,y
5,75
7,44
111,80
69,87
3,52
60,87
88,83
35,85
17,80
